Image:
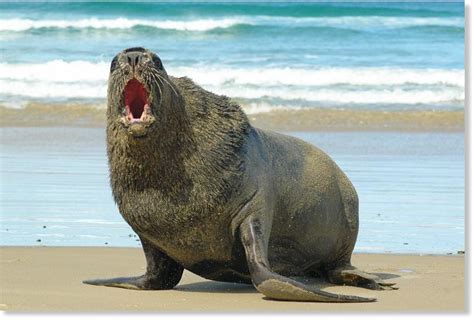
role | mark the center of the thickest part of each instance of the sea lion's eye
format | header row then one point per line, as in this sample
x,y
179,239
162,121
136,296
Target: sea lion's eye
x,y
113,65
157,62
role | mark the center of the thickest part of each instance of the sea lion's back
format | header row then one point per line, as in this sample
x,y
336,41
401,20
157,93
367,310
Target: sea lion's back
x,y
291,156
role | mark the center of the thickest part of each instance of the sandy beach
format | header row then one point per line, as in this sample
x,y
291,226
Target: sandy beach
x,y
379,87
49,279
311,119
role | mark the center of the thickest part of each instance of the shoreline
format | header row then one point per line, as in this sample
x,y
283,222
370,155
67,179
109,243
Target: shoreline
x,y
313,119
426,284
459,253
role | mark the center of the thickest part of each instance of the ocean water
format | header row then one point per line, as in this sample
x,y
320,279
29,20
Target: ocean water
x,y
410,186
266,56
383,56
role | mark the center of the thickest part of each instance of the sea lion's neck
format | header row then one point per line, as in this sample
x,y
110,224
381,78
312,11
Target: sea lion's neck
x,y
156,160
193,155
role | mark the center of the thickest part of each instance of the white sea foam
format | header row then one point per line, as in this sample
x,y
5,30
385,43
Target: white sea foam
x,y
87,80
56,71
335,96
320,77
261,107
351,22
363,22
51,90
83,71
121,23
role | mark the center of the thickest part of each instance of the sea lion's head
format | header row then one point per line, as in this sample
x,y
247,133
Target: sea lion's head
x,y
139,88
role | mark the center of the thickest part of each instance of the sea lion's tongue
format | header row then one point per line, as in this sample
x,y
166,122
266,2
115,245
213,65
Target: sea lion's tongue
x,y
136,100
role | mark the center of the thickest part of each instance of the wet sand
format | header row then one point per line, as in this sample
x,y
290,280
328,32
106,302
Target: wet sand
x,y
49,279
314,119
410,187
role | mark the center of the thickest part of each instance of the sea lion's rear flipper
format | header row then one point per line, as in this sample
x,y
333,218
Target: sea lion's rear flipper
x,y
136,283
351,276
162,273
254,237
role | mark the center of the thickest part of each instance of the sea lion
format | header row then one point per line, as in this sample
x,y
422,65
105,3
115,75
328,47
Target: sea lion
x,y
207,192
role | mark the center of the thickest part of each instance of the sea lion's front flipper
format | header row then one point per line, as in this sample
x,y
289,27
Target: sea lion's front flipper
x,y
254,237
162,273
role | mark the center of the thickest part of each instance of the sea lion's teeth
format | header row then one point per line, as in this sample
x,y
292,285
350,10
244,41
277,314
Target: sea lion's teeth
x,y
146,111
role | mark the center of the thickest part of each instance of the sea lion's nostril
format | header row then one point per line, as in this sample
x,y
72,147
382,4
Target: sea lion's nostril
x,y
133,58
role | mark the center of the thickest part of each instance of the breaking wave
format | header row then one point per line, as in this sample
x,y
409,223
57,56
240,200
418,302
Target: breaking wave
x,y
363,85
206,24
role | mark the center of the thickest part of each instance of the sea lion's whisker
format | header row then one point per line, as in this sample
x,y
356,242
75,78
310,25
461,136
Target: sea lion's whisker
x,y
158,85
167,82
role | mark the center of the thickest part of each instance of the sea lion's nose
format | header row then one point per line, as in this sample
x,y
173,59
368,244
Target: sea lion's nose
x,y
134,58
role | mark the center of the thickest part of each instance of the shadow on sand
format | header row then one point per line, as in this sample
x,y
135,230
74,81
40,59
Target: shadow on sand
x,y
217,287
227,287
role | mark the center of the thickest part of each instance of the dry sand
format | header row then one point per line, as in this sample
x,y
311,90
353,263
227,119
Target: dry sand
x,y
360,120
49,279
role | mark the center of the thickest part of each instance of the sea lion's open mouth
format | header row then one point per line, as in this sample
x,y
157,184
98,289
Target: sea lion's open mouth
x,y
137,106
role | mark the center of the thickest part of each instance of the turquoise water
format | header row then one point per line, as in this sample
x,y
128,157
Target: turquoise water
x,y
410,185
268,56
383,56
